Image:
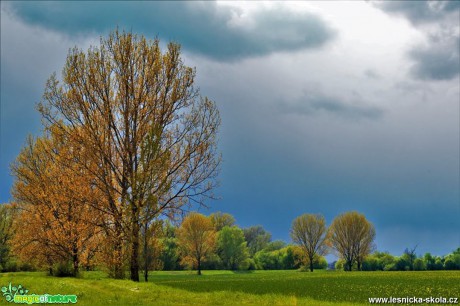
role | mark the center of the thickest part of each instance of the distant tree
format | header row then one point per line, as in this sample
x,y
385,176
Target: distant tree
x,y
454,260
309,232
449,264
340,264
275,245
269,260
220,220
429,261
378,261
257,238
438,263
419,265
169,255
401,264
197,239
371,263
293,258
7,213
409,255
232,247
352,236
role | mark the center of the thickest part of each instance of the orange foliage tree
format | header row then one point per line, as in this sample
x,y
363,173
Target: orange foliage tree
x,y
57,221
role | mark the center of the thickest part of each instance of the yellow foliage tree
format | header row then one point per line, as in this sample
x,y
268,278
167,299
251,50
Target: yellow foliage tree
x,y
143,124
57,221
197,239
310,233
352,236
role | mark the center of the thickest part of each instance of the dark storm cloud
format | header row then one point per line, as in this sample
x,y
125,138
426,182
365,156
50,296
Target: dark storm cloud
x,y
419,12
440,59
204,28
311,104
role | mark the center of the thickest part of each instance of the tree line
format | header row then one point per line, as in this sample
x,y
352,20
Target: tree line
x,y
408,261
215,242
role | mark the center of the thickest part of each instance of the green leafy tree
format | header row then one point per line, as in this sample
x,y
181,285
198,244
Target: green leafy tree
x,y
170,252
378,261
275,245
419,265
232,247
257,238
438,263
270,260
452,261
410,256
429,261
6,232
219,220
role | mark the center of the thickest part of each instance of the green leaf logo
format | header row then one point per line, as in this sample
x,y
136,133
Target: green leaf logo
x,y
9,292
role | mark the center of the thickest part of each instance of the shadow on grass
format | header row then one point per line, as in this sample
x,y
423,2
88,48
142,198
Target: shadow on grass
x,y
243,271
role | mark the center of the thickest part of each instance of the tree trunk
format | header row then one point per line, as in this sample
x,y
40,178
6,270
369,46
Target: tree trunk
x,y
311,264
118,272
146,256
76,263
134,266
199,266
134,262
348,265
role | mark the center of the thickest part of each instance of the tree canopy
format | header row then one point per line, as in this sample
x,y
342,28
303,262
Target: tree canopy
x,y
148,140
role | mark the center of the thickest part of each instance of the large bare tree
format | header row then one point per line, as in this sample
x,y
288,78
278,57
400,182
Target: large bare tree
x,y
144,124
310,233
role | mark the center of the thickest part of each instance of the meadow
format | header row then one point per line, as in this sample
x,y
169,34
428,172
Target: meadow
x,y
237,288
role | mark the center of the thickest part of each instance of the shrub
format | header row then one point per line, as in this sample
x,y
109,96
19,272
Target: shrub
x,y
10,266
63,269
26,267
339,264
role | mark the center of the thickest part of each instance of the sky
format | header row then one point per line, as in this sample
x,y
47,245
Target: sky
x,y
326,107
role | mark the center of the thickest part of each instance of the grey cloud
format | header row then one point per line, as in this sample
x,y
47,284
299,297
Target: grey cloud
x,y
440,59
372,74
311,104
204,28
420,11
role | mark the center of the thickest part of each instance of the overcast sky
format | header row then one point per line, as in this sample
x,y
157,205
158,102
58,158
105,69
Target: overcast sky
x,y
326,107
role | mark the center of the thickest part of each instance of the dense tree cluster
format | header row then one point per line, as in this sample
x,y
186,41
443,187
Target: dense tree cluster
x,y
382,261
127,140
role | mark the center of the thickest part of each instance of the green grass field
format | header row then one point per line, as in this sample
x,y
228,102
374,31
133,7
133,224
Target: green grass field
x,y
236,288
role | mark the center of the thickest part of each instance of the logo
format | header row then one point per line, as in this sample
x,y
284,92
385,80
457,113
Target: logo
x,y
19,294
